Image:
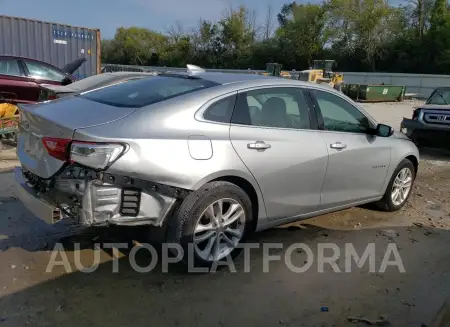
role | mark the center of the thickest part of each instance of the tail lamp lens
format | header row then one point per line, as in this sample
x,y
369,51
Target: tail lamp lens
x,y
94,155
56,147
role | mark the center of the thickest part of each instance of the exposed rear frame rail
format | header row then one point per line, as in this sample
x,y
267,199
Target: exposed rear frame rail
x,y
128,182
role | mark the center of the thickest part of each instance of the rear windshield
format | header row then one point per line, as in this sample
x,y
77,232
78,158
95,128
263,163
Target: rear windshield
x,y
146,91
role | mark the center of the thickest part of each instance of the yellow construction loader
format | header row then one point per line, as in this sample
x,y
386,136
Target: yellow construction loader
x,y
321,72
274,69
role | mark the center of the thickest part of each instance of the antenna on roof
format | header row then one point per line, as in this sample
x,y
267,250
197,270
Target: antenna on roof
x,y
192,69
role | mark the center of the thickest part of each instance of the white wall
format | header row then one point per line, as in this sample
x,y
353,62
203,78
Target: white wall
x,y
415,83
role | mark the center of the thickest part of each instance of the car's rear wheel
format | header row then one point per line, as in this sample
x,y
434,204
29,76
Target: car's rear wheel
x,y
211,223
399,187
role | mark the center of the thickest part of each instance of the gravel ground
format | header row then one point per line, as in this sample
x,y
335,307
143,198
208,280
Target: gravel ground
x,y
30,296
392,113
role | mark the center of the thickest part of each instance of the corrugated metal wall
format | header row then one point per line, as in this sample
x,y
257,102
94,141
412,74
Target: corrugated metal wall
x,y
50,42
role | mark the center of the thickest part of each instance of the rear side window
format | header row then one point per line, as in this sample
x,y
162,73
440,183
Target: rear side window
x,y
279,107
9,67
221,111
146,91
439,97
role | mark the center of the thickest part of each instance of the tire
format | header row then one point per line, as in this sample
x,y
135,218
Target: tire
x,y
387,203
192,215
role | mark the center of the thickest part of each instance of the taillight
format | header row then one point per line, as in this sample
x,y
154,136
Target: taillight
x,y
95,155
90,154
56,147
416,114
52,97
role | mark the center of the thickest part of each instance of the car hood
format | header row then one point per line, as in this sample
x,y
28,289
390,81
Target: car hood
x,y
72,66
400,135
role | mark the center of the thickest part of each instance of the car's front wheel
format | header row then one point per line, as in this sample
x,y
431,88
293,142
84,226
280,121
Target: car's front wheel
x,y
211,223
399,187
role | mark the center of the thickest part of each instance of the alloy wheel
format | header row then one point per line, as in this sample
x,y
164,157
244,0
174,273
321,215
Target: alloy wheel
x,y
219,229
402,186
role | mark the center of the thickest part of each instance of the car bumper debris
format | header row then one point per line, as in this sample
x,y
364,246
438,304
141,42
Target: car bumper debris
x,y
95,199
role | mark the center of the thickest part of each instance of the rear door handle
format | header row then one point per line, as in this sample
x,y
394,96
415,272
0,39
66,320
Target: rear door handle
x,y
258,145
338,146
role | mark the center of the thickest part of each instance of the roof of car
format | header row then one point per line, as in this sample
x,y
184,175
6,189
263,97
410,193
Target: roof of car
x,y
20,57
233,78
227,78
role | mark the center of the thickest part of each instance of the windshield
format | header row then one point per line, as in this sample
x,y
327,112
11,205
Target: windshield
x,y
143,92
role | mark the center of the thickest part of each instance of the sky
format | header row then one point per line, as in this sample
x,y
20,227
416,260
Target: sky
x,y
108,15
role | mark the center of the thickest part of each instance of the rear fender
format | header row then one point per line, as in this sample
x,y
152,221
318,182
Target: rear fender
x,y
230,174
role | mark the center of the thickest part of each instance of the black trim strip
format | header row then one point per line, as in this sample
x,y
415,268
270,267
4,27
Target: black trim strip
x,y
312,112
316,109
128,182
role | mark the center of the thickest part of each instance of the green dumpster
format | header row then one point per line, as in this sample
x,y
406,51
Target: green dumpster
x,y
375,93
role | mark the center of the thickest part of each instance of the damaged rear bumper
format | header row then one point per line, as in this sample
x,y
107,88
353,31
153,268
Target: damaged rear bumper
x,y
107,199
34,201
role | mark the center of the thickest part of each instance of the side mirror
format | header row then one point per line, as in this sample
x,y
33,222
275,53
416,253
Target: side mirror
x,y
384,130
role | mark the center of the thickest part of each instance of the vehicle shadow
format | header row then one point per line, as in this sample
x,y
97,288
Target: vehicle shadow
x,y
20,228
266,293
434,154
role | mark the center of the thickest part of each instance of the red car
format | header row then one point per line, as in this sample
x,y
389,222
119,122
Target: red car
x,y
20,77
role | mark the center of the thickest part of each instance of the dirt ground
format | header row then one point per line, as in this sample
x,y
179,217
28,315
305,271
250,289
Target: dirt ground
x,y
30,296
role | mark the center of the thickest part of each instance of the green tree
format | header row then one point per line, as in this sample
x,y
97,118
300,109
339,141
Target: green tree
x,y
439,36
362,35
301,35
237,35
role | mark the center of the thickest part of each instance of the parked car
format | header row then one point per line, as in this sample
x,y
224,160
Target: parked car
x,y
208,157
51,92
20,77
430,123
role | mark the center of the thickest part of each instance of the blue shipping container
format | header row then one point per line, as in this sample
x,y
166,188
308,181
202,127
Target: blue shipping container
x,y
50,42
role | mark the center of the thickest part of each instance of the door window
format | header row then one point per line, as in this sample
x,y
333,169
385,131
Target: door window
x,y
221,111
42,71
9,67
273,107
339,115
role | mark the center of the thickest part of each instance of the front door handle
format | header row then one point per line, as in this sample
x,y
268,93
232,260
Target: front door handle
x,y
338,146
258,145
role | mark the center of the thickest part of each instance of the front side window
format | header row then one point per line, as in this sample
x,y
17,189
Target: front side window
x,y
9,67
339,115
273,107
41,71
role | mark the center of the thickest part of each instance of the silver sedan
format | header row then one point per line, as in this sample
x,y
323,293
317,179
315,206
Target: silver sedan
x,y
208,157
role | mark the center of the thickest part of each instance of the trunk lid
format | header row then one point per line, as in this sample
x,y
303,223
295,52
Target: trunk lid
x,y
59,119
